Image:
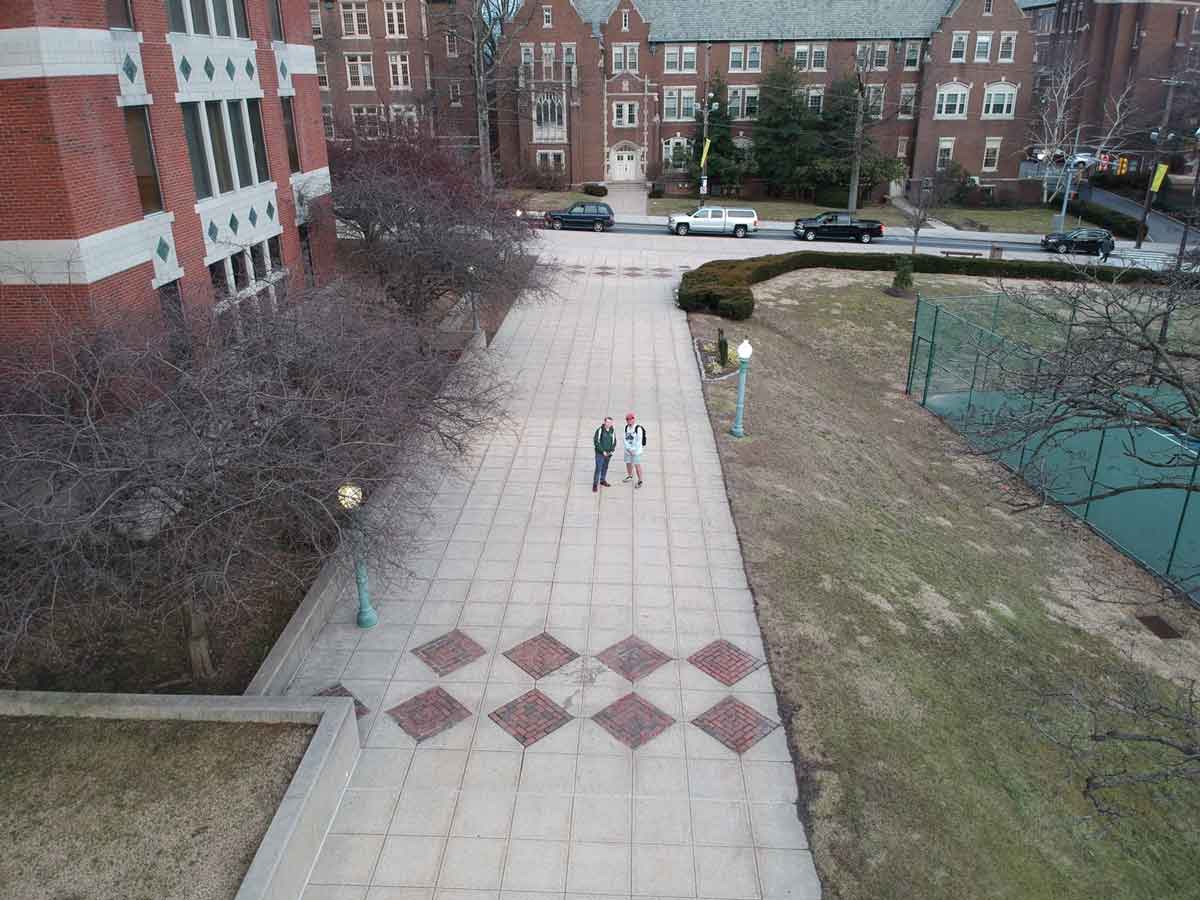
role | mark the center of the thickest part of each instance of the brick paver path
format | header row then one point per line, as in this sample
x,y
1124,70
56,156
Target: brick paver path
x,y
552,768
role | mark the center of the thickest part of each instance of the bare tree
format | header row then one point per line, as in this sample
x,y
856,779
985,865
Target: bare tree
x,y
139,490
931,192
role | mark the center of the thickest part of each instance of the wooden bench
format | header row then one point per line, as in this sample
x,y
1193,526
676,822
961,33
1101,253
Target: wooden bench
x,y
971,253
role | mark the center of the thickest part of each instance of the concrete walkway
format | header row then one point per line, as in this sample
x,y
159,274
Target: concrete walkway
x,y
1163,229
627,199
569,699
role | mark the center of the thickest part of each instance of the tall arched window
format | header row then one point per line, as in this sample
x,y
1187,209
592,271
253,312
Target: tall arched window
x,y
549,118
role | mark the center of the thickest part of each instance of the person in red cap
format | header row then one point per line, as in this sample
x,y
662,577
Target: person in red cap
x,y
635,443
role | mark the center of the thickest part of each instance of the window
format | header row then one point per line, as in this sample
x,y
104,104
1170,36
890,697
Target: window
x,y
322,72
670,104
951,102
624,20
991,155
625,57
677,151
359,73
194,133
862,55
816,100
327,122
737,59
881,57
754,58
452,43
289,130
276,19
141,149
625,115
569,62
999,101
908,101
187,16
912,56
366,120
743,102
875,101
549,119
547,61
526,62
1008,46
800,56
945,152
219,143
551,160
1195,22
395,24
819,55
241,151
354,20
119,15
254,112
983,47
987,7
958,46
547,17
170,301
456,93
240,21
399,71
314,15
403,116
679,103
902,147
671,59
687,103
687,60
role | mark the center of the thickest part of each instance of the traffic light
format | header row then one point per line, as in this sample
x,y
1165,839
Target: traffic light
x,y
1123,165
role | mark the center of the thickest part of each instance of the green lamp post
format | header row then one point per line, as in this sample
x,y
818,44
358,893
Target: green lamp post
x,y
350,496
744,351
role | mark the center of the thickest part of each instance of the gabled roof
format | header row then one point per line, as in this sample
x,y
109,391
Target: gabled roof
x,y
779,20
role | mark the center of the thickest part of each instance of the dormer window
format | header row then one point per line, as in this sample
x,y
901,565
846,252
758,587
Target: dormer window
x,y
547,17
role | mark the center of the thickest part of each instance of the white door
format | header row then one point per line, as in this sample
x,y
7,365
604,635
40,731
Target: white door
x,y
624,167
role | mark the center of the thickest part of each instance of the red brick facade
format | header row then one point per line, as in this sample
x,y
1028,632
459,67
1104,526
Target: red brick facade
x,y
72,189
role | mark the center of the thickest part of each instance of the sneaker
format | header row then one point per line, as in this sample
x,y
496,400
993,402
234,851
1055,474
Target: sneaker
x,y
595,489
638,485
627,478
606,484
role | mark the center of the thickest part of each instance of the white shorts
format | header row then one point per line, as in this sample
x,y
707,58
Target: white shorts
x,y
633,459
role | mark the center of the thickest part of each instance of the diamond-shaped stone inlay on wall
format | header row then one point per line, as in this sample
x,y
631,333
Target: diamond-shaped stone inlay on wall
x,y
230,68
163,249
212,231
233,223
283,69
541,655
633,720
249,69
185,68
449,652
633,658
129,67
428,714
253,217
340,690
209,68
270,210
725,662
530,717
734,724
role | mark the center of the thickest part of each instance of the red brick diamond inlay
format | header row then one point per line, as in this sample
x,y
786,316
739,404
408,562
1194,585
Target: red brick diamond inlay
x,y
428,714
541,655
530,717
724,662
340,690
451,651
734,724
633,721
633,658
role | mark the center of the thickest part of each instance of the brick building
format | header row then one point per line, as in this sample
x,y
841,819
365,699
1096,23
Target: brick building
x,y
382,63
608,88
165,160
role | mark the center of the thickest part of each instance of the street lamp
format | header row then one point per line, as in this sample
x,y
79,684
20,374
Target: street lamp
x,y
350,496
474,299
1187,220
1155,134
744,351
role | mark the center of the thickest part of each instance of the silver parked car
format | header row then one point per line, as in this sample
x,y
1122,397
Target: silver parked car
x,y
714,220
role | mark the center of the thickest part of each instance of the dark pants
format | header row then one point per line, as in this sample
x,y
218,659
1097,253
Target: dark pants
x,y
601,473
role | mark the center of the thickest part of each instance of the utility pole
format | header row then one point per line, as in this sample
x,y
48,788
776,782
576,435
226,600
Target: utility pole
x,y
704,143
1161,136
1187,220
856,161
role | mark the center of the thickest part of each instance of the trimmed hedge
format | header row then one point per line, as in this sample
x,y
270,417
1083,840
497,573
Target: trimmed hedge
x,y
723,286
595,190
1119,224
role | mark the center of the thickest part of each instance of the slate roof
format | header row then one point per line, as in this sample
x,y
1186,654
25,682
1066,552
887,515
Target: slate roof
x,y
779,20
1034,4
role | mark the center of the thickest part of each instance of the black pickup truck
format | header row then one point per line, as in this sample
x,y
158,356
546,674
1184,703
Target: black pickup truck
x,y
838,226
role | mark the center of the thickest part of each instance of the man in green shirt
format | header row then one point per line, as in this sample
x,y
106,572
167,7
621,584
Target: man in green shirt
x,y
604,442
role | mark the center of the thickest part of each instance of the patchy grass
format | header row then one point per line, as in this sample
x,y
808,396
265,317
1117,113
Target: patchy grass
x,y
773,210
912,616
543,201
100,808
1026,220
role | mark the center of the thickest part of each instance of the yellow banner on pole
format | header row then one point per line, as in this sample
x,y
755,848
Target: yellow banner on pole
x,y
1159,174
704,155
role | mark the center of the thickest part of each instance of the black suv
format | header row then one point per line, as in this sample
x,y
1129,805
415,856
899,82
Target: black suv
x,y
1081,240
838,226
596,216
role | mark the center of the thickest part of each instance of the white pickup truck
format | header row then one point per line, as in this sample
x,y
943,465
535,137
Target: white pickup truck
x,y
714,220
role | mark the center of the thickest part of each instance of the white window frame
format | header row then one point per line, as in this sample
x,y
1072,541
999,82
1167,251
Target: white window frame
x,y
907,92
549,131
989,145
570,63
902,147
625,114
740,50
965,37
756,50
365,111
556,158
671,104
548,57
628,54
362,62
744,92
801,56
361,26
400,70
983,40
686,94
395,19
624,20
322,71
873,111
452,44
819,94
406,112
668,151
547,16
958,89
887,57
328,125
862,56
314,14
909,46
987,7
671,55
822,49
685,51
1007,89
1011,37
455,93
944,144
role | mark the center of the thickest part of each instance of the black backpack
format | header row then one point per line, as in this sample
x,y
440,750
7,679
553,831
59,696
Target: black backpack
x,y
635,428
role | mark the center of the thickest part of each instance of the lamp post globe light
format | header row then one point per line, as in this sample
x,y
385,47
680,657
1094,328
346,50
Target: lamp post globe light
x,y
744,352
350,496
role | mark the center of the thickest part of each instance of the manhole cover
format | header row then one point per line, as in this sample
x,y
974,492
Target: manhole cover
x,y
1160,627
